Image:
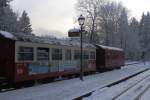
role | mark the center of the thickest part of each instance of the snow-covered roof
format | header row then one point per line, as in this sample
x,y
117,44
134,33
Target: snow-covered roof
x,y
74,30
47,40
110,48
7,34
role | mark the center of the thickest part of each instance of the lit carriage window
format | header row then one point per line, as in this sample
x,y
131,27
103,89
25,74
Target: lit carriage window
x,y
92,55
42,53
25,53
68,54
76,54
56,54
85,55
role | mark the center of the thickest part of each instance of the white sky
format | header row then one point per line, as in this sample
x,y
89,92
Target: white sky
x,y
59,14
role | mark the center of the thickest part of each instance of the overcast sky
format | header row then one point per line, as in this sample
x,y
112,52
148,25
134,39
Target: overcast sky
x,y
59,14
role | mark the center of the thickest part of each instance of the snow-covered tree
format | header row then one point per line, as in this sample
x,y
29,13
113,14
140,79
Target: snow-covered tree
x,y
101,19
4,3
123,29
24,23
8,18
90,8
145,32
110,15
133,46
10,22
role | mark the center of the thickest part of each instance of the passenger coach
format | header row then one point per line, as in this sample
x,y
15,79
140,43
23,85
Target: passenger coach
x,y
28,57
108,58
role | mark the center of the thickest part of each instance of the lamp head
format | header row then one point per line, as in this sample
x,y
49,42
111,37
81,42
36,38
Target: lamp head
x,y
81,20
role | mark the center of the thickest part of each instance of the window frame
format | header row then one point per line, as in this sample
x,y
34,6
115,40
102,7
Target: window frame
x,y
85,54
68,54
60,54
48,55
76,55
21,52
91,56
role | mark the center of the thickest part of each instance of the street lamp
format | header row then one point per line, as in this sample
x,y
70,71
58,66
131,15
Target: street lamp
x,y
81,21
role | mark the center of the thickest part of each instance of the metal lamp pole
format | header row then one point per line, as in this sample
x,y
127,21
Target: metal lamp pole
x,y
81,57
81,20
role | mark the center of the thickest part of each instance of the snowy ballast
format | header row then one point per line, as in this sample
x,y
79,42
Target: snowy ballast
x,y
36,39
108,47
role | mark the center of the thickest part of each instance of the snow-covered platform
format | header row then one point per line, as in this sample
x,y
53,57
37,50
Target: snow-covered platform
x,y
73,88
132,89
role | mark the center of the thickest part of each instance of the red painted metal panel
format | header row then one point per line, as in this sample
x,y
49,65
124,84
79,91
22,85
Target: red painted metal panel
x,y
22,72
7,54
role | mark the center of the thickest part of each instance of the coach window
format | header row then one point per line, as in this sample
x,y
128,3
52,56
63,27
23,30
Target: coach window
x,y
92,55
25,53
56,54
76,54
68,54
86,55
43,54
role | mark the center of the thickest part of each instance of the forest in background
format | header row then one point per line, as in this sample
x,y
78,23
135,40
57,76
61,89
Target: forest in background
x,y
107,23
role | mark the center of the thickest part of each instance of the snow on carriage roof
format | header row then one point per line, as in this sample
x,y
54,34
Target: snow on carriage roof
x,y
37,39
7,34
110,48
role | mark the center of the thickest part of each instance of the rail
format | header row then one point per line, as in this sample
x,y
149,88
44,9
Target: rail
x,y
133,63
117,82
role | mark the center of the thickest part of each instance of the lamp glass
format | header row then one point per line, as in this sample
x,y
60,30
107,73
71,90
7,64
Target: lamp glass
x,y
81,20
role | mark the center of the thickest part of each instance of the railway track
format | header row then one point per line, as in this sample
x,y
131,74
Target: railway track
x,y
129,89
136,90
133,63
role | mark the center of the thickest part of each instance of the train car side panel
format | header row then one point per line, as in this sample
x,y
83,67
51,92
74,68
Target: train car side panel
x,y
59,62
109,57
7,54
100,59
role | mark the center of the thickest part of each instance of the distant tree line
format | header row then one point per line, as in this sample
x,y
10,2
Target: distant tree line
x,y
10,20
108,23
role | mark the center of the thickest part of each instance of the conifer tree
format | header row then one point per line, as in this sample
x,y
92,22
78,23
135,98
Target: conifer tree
x,y
145,32
133,46
8,18
24,22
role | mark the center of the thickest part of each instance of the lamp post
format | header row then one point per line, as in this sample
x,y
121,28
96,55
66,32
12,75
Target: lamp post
x,y
81,21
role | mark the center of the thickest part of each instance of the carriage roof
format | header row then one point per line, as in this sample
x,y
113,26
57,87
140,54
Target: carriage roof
x,y
108,47
37,39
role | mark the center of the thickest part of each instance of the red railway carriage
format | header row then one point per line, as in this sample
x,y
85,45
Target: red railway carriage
x,y
109,57
28,57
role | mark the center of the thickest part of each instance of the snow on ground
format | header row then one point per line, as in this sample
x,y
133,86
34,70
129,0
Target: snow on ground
x,y
132,62
69,89
135,92
109,93
146,95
